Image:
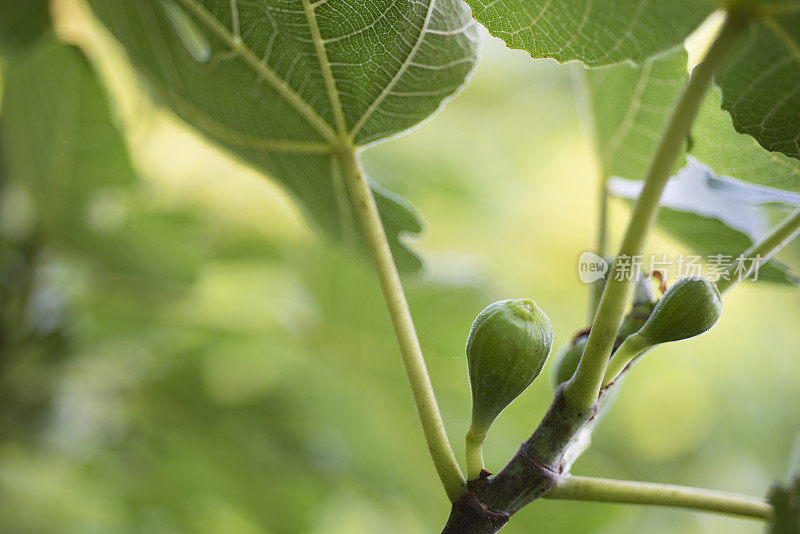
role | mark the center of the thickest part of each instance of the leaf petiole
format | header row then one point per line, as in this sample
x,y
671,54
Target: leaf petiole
x,y
577,488
762,251
427,408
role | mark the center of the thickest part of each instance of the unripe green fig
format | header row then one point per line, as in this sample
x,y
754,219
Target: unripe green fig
x,y
690,307
566,361
507,347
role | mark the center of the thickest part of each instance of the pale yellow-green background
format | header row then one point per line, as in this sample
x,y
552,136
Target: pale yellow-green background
x,y
302,356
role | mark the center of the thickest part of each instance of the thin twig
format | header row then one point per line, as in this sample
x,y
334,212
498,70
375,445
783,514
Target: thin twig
x,y
576,488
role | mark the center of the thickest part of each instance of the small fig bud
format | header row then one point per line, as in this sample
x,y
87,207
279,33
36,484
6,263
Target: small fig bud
x,y
566,361
643,293
507,347
690,307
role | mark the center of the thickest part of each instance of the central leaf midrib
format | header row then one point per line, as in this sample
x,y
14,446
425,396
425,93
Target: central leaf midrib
x,y
342,196
325,66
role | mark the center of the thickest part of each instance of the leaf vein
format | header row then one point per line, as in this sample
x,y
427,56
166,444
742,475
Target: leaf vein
x,y
396,79
281,86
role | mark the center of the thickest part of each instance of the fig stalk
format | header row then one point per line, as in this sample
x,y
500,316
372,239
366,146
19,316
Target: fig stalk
x,y
474,454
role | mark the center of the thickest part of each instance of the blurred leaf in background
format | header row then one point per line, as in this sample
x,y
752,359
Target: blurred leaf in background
x,y
22,23
718,216
626,108
193,362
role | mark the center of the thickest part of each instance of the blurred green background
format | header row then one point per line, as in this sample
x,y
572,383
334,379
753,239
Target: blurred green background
x,y
194,359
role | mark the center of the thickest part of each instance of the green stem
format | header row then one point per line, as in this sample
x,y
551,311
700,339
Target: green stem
x,y
762,251
630,348
622,491
428,410
584,387
601,243
602,216
474,450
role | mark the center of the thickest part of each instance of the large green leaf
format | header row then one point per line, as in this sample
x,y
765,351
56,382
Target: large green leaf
x,y
716,143
278,83
761,81
596,33
629,107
